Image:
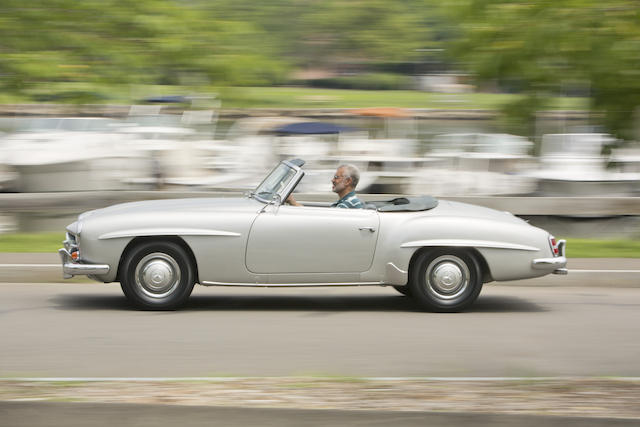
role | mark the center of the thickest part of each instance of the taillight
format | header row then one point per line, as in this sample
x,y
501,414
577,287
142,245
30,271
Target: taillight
x,y
554,246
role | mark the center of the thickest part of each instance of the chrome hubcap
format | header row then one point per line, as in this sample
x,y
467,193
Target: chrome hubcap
x,y
447,277
157,275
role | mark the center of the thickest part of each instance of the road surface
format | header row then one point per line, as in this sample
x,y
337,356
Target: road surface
x,y
107,415
89,330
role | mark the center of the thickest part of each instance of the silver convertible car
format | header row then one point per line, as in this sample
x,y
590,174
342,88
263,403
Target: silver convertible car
x,y
436,251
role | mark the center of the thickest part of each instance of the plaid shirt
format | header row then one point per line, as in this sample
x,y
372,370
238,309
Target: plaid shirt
x,y
350,201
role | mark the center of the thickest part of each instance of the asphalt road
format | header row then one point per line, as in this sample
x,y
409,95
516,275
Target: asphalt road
x,y
106,415
89,330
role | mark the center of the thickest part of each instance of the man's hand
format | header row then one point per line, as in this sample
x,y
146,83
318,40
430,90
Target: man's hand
x,y
292,201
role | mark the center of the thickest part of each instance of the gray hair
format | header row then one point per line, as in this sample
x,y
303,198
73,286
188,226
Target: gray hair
x,y
352,172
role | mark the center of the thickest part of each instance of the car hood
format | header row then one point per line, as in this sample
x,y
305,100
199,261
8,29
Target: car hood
x,y
224,204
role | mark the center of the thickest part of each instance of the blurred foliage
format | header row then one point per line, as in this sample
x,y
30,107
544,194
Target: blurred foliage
x,y
172,42
334,33
366,81
519,115
556,47
129,41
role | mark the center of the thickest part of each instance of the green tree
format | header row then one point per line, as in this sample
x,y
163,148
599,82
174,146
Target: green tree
x,y
127,41
330,32
546,47
366,30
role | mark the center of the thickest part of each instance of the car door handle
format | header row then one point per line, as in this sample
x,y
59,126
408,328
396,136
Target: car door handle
x,y
371,229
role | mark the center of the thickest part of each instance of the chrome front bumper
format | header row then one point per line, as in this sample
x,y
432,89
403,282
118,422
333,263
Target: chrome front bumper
x,y
72,268
557,263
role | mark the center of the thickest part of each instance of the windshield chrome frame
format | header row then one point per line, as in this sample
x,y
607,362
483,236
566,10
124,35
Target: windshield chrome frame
x,y
284,193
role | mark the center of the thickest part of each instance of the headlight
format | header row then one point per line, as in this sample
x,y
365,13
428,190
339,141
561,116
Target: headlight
x,y
71,243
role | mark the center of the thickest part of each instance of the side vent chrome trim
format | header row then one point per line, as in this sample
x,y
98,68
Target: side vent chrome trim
x,y
167,232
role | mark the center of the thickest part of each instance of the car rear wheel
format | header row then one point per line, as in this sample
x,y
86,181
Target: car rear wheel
x,y
157,276
446,280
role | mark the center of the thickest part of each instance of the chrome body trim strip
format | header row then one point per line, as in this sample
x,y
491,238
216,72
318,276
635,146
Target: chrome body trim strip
x,y
167,232
291,285
468,243
72,268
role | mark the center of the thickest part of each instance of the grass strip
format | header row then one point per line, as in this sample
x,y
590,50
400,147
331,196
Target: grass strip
x,y
590,248
292,97
31,242
301,97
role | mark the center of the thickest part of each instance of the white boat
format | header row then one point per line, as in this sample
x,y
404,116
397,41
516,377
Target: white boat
x,y
475,164
626,159
572,164
66,154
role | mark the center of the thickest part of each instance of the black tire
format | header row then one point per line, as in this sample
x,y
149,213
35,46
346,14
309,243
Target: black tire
x,y
404,290
157,276
446,280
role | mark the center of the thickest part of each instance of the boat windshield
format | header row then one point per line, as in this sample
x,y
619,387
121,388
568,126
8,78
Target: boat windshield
x,y
275,182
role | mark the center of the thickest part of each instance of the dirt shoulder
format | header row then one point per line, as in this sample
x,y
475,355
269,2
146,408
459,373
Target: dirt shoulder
x,y
598,398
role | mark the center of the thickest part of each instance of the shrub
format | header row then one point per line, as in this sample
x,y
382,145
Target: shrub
x,y
369,81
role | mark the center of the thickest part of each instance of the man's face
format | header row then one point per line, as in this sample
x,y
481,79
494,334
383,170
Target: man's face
x,y
340,181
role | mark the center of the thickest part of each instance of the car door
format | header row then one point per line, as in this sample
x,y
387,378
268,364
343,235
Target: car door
x,y
294,239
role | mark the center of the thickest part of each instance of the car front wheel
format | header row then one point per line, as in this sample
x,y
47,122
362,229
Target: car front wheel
x,y
157,276
446,280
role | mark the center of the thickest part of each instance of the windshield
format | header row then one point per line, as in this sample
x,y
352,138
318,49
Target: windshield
x,y
275,182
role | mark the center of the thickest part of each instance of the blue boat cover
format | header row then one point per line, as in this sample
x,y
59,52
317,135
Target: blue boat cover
x,y
312,128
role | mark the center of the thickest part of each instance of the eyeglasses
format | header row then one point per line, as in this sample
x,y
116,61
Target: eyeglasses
x,y
340,176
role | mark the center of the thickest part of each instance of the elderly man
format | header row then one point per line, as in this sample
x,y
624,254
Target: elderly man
x,y
344,184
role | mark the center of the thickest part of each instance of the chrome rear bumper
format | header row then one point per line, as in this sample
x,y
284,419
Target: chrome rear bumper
x,y
72,268
557,263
